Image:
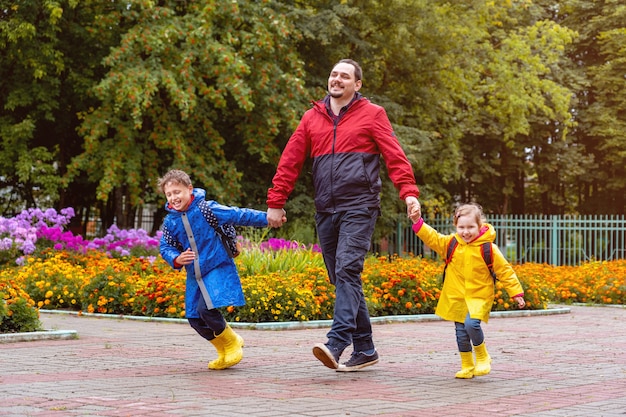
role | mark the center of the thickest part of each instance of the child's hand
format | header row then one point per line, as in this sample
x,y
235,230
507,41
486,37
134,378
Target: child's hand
x,y
413,208
520,301
186,257
416,213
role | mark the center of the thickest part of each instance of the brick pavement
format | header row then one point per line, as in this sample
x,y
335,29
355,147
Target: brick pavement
x,y
543,365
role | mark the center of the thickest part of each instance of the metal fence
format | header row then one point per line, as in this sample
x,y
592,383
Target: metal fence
x,y
555,240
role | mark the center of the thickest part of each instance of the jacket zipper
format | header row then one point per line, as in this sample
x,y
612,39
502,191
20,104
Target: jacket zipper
x,y
332,171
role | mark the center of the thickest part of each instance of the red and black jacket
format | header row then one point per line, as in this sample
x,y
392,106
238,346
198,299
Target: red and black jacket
x,y
346,155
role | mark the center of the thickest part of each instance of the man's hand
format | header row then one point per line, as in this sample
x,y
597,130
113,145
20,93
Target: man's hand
x,y
276,217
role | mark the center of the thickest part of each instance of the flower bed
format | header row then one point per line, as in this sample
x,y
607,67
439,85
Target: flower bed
x,y
282,281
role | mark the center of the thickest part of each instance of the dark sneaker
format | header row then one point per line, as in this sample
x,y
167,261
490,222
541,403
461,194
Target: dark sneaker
x,y
358,360
328,355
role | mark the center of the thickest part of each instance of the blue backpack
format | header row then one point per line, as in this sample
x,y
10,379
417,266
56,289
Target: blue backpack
x,y
485,250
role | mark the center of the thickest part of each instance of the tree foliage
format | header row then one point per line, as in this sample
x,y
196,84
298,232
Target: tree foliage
x,y
51,55
30,81
518,105
600,56
186,80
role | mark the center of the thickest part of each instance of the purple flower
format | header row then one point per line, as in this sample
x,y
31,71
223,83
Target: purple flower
x,y
28,247
6,243
276,244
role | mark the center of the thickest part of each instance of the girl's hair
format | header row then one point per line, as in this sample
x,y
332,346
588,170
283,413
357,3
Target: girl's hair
x,y
470,209
175,176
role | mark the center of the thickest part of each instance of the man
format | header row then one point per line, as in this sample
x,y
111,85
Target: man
x,y
345,135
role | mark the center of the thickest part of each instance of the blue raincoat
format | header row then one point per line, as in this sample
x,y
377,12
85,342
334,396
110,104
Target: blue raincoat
x,y
219,272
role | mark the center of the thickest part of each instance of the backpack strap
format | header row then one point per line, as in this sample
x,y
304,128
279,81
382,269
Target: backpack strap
x,y
226,232
449,252
208,214
487,252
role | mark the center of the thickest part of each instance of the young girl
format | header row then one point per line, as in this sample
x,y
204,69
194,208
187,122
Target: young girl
x,y
468,288
189,240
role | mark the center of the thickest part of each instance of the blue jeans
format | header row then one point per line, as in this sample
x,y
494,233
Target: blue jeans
x,y
468,334
345,239
211,322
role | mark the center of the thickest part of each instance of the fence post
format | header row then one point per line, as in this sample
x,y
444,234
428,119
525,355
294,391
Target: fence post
x,y
555,241
399,235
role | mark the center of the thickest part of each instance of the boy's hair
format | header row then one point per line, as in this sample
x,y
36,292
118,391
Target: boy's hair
x,y
175,176
469,210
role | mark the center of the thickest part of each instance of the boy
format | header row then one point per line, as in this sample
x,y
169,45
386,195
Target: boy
x,y
190,240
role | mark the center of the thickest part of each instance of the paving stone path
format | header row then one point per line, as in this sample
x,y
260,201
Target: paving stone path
x,y
558,365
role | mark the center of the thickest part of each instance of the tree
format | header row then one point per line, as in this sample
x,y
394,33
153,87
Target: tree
x,y
51,53
187,83
515,54
30,81
601,104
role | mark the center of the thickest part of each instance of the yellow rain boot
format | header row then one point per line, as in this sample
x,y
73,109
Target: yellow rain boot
x,y
483,360
219,346
224,346
467,365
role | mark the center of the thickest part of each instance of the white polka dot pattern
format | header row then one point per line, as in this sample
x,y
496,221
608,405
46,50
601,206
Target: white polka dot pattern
x,y
226,232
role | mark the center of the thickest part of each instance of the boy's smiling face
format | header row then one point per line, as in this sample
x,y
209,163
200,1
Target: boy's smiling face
x,y
178,195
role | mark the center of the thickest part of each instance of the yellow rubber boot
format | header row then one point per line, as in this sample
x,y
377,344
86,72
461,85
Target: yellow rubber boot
x,y
229,349
467,366
219,346
483,360
233,353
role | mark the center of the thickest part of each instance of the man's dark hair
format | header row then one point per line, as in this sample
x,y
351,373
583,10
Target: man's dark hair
x,y
358,72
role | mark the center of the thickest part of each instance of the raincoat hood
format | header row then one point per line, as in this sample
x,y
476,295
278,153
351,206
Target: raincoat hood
x,y
487,234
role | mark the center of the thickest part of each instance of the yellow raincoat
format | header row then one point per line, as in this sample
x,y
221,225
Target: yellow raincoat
x,y
468,286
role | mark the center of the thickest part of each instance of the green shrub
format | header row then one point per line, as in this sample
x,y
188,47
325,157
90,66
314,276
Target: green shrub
x,y
17,310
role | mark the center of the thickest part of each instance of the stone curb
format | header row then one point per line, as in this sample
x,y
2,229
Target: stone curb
x,y
314,324
289,325
41,335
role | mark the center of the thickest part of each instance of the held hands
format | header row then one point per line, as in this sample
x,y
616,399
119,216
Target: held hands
x,y
276,217
186,257
520,301
413,209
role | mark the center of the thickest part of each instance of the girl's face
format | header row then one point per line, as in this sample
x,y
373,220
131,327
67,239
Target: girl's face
x,y
467,228
178,195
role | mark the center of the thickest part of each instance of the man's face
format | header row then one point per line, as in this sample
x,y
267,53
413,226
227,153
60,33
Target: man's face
x,y
341,81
